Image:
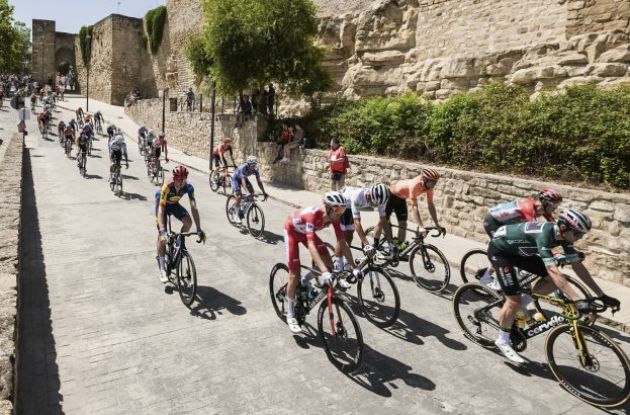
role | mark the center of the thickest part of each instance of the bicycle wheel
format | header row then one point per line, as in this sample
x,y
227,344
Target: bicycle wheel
x,y
476,308
112,182
214,181
473,265
230,206
340,334
255,220
186,276
278,280
598,375
119,183
381,302
160,177
429,268
227,184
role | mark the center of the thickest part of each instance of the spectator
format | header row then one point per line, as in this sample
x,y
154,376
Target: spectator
x,y
190,98
271,100
286,136
255,98
244,110
339,165
296,140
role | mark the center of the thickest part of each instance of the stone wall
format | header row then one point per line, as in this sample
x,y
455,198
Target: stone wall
x,y
462,200
43,56
10,208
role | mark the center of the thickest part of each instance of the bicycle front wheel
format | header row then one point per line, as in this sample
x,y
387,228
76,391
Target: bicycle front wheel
x,y
255,221
160,177
230,209
186,276
473,265
341,335
112,182
429,268
119,184
476,309
278,280
589,365
379,301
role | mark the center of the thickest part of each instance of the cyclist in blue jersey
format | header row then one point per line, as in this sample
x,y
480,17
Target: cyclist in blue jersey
x,y
239,179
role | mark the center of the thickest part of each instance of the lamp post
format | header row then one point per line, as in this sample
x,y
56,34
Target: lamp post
x,y
162,94
88,38
212,110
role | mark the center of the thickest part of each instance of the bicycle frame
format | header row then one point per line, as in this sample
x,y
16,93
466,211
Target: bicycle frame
x,y
329,294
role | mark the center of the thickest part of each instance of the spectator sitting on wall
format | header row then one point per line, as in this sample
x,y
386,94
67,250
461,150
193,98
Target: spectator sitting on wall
x,y
190,98
297,136
286,136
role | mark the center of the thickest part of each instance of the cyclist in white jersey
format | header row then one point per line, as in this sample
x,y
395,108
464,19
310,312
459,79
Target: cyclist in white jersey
x,y
117,147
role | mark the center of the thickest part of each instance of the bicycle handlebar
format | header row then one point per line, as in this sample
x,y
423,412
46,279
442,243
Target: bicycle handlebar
x,y
174,235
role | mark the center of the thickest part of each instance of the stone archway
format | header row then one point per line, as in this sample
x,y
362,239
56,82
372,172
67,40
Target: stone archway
x,y
64,55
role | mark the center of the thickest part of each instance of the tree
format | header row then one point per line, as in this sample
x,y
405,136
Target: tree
x,y
258,41
14,38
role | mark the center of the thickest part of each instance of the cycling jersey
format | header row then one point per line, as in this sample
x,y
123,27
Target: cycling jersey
x,y
244,171
143,131
169,195
516,211
530,239
82,140
411,189
158,143
69,132
221,149
118,143
356,201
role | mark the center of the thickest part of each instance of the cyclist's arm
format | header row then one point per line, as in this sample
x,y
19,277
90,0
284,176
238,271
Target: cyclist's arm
x,y
546,254
585,276
160,217
561,282
193,208
415,210
431,207
312,248
165,150
260,184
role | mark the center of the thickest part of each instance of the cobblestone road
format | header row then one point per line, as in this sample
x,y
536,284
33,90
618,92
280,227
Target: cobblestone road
x,y
101,335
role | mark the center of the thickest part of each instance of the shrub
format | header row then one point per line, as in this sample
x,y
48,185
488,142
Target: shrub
x,y
86,47
154,22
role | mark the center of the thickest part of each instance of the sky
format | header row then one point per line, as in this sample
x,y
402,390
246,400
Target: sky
x,y
70,15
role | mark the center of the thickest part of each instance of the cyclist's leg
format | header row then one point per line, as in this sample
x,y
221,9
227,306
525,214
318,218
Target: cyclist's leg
x,y
378,229
182,214
238,195
400,209
347,225
323,252
291,244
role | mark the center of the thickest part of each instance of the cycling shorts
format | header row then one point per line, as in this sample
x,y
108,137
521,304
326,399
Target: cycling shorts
x,y
174,209
504,265
398,206
116,156
347,221
292,240
236,186
157,152
490,225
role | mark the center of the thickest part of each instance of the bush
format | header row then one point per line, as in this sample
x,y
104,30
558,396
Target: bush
x,y
86,47
581,134
154,22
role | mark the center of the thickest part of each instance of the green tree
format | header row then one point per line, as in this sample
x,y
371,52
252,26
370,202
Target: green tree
x,y
14,38
258,41
85,42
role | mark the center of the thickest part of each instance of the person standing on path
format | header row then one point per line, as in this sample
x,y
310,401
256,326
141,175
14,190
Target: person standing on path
x,y
339,165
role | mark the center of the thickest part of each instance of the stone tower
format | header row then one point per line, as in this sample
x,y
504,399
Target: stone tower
x,y
43,57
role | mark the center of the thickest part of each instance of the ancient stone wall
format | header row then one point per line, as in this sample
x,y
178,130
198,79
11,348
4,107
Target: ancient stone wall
x,y
10,210
101,68
43,56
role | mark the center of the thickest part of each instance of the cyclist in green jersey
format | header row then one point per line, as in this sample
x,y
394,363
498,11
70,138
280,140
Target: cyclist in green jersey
x,y
528,246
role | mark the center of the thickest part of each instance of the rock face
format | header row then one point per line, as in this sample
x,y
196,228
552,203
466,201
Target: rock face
x,y
441,47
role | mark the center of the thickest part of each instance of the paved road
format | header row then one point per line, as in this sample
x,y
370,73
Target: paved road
x,y
101,335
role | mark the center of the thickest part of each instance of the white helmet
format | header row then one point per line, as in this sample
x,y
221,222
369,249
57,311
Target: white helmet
x,y
334,199
380,193
252,160
575,220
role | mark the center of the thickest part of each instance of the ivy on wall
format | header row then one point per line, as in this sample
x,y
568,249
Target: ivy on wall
x,y
85,45
154,27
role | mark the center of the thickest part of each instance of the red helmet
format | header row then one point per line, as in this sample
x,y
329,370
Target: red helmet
x,y
180,172
549,196
430,174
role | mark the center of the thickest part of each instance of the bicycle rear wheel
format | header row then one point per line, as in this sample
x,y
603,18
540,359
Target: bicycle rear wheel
x,y
476,308
341,335
473,265
429,268
380,302
230,206
598,375
186,277
213,180
112,181
255,221
160,177
119,183
278,280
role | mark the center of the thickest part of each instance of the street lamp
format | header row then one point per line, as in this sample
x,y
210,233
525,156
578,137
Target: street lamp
x,y
88,38
162,94
213,112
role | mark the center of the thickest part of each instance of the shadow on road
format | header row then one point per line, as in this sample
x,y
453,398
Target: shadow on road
x,y
271,238
129,177
379,373
38,373
94,156
93,176
211,303
132,196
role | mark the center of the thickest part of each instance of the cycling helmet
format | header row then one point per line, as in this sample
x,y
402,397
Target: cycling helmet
x,y
575,220
252,160
549,196
430,174
380,193
180,172
334,199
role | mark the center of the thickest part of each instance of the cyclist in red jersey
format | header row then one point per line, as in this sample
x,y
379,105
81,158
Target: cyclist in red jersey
x,y
300,227
218,154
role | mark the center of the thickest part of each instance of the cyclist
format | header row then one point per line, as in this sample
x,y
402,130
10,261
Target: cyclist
x,y
111,130
43,120
408,191
79,114
82,145
73,124
517,211
61,128
300,227
33,101
117,148
69,135
239,178
218,155
360,198
159,145
528,246
148,142
98,120
142,136
167,203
